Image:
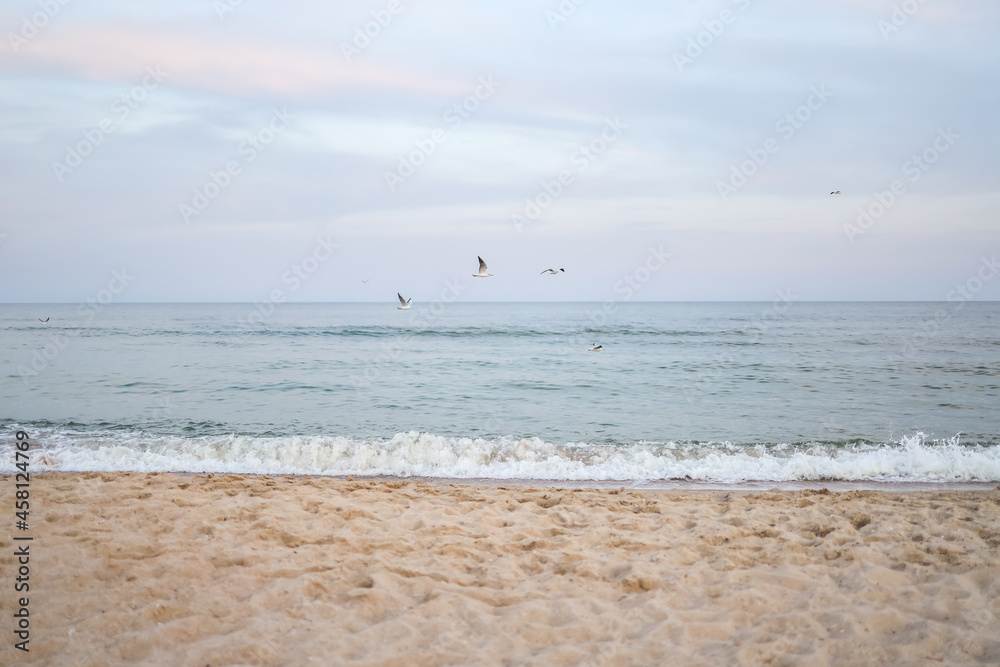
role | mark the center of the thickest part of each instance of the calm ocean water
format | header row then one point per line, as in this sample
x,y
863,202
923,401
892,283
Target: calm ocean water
x,y
722,392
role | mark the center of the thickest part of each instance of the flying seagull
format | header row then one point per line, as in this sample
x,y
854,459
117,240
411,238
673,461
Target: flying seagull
x,y
483,272
552,271
45,321
404,304
596,348
835,192
365,282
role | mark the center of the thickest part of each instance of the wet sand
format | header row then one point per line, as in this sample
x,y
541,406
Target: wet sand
x,y
161,569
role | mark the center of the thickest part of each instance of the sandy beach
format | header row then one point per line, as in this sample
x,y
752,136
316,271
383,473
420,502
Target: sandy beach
x,y
162,569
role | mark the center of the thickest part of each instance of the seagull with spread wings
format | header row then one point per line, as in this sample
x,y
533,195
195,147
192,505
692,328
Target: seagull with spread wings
x,y
483,271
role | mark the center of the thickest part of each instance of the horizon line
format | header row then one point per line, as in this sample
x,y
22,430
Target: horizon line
x,y
387,301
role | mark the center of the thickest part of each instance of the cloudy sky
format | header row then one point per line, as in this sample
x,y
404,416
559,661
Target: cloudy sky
x,y
217,151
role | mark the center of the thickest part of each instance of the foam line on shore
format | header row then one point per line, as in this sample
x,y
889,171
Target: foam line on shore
x,y
914,458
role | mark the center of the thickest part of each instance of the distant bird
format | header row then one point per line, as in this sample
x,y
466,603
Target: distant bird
x,y
835,192
365,282
45,321
552,271
483,272
596,348
404,304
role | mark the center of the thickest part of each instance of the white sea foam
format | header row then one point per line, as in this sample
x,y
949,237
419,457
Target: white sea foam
x,y
913,458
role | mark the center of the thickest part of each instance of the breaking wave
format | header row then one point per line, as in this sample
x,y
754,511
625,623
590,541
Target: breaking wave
x,y
913,458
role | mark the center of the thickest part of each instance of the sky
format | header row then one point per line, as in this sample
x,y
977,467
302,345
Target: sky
x,y
228,150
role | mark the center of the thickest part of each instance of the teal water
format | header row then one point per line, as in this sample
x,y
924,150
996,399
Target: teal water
x,y
724,391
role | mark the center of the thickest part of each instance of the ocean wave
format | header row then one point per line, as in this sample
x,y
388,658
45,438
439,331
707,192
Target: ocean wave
x,y
911,459
416,330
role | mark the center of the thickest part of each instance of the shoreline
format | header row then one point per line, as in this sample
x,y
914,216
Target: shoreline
x,y
688,485
603,484
197,569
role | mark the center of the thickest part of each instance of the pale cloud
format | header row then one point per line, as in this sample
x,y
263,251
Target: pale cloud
x,y
353,121
218,65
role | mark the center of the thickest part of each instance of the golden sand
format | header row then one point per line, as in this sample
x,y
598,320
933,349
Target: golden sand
x,y
159,569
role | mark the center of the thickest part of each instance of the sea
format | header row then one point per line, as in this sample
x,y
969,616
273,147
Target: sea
x,y
698,393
